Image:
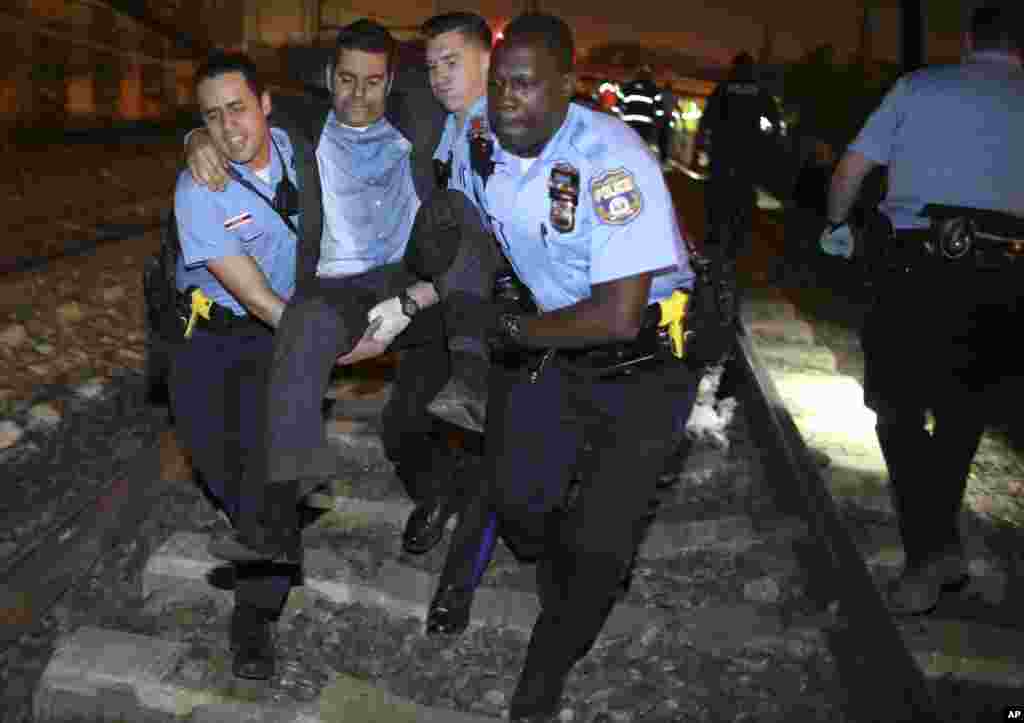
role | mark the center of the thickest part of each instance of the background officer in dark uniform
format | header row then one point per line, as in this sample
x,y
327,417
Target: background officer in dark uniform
x,y
238,250
934,340
582,211
733,124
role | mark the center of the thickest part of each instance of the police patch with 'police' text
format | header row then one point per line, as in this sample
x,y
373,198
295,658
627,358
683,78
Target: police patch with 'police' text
x,y
617,200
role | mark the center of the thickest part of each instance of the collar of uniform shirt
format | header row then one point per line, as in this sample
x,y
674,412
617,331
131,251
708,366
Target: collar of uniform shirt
x,y
506,158
994,56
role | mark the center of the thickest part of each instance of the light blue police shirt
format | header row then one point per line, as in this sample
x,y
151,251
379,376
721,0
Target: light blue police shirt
x,y
625,222
454,147
951,135
370,201
234,222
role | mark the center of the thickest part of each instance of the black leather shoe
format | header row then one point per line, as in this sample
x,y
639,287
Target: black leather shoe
x,y
425,526
252,640
449,611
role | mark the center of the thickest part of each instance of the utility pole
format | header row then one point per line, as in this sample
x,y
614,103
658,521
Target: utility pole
x,y
866,29
912,26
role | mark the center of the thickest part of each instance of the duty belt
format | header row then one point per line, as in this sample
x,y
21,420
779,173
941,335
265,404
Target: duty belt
x,y
977,238
662,339
197,311
985,251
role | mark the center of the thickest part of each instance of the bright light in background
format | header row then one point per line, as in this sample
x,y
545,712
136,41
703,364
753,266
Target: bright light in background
x,y
498,30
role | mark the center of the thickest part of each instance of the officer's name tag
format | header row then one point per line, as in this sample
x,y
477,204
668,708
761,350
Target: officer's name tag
x,y
617,200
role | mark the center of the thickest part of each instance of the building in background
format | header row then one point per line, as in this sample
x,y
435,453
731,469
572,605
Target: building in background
x,y
82,63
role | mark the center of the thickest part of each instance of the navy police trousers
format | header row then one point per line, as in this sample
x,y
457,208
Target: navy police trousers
x,y
535,446
218,389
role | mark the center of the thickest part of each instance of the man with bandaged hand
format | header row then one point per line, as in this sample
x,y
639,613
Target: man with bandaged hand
x,y
361,178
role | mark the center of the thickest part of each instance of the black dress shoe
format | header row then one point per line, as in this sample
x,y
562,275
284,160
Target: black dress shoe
x,y
252,640
449,611
425,526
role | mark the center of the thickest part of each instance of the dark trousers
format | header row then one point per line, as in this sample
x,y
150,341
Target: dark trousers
x,y
218,390
534,445
803,228
326,318
729,201
934,341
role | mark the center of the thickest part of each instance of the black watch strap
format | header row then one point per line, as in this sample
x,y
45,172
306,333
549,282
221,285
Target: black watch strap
x,y
510,326
409,305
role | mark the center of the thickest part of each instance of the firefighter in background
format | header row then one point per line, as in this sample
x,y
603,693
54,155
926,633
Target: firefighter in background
x,y
640,99
665,106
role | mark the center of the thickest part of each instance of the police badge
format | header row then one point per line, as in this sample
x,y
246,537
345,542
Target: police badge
x,y
616,198
564,190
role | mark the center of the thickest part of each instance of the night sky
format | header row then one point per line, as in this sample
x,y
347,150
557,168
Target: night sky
x,y
718,30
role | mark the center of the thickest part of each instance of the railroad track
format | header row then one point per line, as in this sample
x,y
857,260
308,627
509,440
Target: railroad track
x,y
749,590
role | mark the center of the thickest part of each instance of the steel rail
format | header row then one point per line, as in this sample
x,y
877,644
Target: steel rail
x,y
885,682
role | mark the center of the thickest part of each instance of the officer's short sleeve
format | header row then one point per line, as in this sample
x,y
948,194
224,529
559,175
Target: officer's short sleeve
x,y
635,228
876,138
201,224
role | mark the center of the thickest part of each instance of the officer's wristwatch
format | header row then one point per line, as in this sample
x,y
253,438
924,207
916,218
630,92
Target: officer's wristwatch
x,y
409,305
509,324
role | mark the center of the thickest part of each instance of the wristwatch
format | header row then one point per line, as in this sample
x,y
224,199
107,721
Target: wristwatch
x,y
510,327
409,305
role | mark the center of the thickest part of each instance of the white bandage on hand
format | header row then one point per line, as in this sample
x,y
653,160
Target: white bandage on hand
x,y
838,241
390,319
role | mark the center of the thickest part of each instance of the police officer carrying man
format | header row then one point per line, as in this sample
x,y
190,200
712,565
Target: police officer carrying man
x,y
458,46
354,294
951,289
732,122
583,213
237,265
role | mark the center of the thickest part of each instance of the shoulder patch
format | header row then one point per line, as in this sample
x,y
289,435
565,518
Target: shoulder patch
x,y
617,200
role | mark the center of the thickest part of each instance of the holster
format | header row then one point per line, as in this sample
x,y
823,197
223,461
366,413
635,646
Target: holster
x,y
652,348
974,238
